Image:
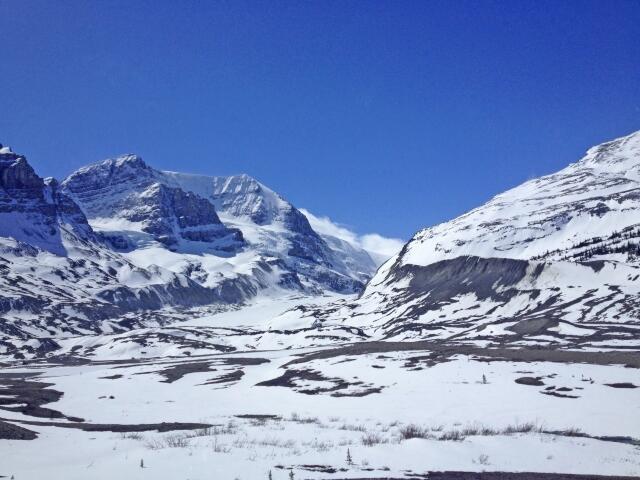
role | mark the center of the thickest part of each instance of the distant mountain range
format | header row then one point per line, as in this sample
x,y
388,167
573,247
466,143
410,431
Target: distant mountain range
x,y
118,246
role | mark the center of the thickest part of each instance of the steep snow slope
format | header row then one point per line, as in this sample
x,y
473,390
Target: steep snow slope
x,y
256,208
262,238
553,260
126,188
59,277
549,217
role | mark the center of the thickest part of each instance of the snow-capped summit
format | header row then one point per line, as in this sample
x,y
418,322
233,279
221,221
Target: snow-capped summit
x,y
60,277
237,195
556,259
620,154
4,149
275,227
555,216
218,227
126,188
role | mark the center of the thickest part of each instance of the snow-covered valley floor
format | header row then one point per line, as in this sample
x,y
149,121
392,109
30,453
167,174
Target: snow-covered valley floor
x,y
395,413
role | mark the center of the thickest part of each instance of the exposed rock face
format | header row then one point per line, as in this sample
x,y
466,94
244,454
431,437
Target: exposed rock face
x,y
98,187
36,211
128,189
174,207
17,176
58,277
484,277
161,209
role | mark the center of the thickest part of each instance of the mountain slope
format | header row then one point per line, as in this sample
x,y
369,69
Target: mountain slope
x,y
258,211
127,189
212,228
59,277
553,260
548,217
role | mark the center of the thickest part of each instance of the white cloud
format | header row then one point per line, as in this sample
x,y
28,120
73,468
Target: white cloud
x,y
380,248
382,245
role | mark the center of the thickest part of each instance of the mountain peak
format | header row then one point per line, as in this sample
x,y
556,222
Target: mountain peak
x,y
620,153
16,172
34,211
5,150
128,160
115,166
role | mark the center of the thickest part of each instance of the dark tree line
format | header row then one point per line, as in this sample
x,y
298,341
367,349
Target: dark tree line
x,y
596,246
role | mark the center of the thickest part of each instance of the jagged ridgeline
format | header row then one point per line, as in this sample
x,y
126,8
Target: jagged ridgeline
x,y
118,244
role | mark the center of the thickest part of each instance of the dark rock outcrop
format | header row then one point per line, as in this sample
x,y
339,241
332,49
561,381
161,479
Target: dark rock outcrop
x,y
127,188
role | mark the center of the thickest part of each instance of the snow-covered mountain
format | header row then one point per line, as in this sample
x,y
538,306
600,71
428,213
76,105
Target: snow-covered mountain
x,y
118,245
555,258
61,277
274,227
563,215
212,228
125,191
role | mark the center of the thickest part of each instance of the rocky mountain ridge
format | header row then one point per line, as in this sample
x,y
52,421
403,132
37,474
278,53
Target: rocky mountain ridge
x,y
118,245
126,188
551,262
59,277
235,222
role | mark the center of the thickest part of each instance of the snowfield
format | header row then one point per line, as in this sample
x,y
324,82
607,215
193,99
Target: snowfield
x,y
396,409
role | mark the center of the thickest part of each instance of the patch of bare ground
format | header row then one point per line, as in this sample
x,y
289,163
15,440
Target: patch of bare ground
x,y
176,371
115,427
9,431
559,395
258,416
313,468
443,351
452,475
339,388
29,396
533,381
226,378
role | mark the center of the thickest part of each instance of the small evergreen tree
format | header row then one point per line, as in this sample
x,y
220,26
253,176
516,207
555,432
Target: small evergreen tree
x,y
141,463
291,475
484,379
349,459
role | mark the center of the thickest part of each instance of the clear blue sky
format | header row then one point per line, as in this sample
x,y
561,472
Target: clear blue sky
x,y
386,116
